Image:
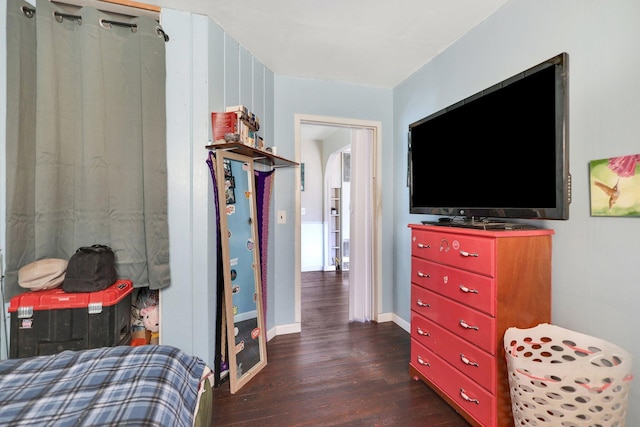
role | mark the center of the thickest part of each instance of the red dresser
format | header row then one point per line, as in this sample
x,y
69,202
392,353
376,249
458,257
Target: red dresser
x,y
467,287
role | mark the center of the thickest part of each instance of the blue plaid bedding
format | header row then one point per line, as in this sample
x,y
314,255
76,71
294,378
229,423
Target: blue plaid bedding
x,y
151,385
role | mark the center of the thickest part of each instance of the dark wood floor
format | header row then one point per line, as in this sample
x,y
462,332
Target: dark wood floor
x,y
334,373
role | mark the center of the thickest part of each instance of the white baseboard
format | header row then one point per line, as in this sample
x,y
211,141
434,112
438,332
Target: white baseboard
x,y
293,328
385,317
402,323
392,317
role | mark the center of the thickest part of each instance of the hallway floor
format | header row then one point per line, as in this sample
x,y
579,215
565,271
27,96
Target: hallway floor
x,y
334,373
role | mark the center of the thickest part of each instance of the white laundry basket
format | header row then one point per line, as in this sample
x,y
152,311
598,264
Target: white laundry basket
x,y
558,377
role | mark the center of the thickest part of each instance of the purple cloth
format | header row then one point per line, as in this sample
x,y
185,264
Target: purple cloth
x,y
264,182
263,186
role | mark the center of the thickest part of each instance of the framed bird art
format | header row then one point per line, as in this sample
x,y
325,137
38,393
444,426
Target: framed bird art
x,y
615,186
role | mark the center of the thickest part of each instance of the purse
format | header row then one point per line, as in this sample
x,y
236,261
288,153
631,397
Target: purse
x,y
90,269
43,274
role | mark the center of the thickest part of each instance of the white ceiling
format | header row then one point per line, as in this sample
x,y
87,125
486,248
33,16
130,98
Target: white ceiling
x,y
375,43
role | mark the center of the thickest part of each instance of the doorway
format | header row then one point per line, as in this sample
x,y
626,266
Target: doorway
x,y
324,197
375,247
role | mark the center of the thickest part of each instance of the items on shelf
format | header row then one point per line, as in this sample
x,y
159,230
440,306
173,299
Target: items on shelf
x,y
224,127
236,124
335,229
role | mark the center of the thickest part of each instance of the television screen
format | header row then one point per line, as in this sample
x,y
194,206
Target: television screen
x,y
500,153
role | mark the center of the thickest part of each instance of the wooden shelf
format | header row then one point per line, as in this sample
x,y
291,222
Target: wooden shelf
x,y
257,155
335,224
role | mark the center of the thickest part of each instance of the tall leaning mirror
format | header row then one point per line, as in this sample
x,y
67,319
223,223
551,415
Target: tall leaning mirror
x,y
245,330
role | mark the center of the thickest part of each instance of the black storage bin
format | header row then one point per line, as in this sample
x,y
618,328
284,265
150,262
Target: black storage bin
x,y
48,322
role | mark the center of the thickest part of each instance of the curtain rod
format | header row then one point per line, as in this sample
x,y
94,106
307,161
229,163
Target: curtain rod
x,y
134,4
122,7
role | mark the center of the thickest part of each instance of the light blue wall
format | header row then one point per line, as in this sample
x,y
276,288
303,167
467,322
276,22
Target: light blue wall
x,y
311,199
596,273
206,71
188,305
332,99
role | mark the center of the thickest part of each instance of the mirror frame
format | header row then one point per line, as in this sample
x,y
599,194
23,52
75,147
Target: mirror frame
x,y
237,382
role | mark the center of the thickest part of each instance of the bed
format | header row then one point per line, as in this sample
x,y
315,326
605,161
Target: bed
x,y
150,385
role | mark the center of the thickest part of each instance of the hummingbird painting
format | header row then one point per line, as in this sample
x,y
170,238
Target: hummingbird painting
x,y
612,192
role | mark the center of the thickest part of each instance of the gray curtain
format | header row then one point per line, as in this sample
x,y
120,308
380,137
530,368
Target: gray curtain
x,y
86,143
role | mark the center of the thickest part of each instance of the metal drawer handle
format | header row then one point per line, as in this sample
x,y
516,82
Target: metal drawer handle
x,y
422,362
466,290
465,253
423,333
466,397
467,361
423,246
421,274
422,304
465,325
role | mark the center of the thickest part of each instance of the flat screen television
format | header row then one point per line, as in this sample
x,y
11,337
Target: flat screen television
x,y
501,153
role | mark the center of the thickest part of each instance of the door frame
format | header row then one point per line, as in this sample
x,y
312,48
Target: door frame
x,y
376,128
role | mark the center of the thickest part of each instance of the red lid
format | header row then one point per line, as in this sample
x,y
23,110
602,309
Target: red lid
x,y
57,298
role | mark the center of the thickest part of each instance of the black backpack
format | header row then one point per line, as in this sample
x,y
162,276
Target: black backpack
x,y
90,269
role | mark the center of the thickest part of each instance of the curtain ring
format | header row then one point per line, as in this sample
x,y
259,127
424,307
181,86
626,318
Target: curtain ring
x,y
162,34
106,23
60,17
28,11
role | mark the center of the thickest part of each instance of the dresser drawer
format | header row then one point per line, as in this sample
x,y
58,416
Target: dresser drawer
x,y
472,398
467,358
472,325
467,288
471,253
